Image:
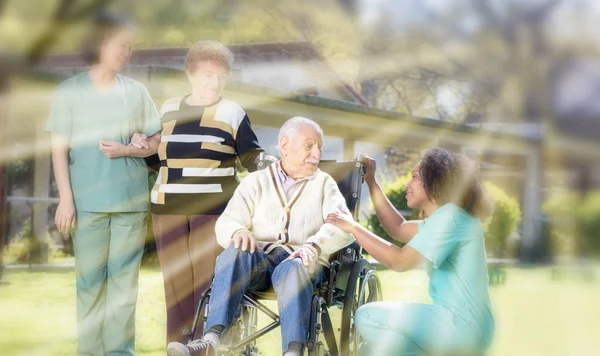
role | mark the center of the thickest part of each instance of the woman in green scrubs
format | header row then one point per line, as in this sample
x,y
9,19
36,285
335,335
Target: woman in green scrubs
x,y
449,243
103,185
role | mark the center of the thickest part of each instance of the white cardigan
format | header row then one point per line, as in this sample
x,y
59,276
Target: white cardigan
x,y
260,205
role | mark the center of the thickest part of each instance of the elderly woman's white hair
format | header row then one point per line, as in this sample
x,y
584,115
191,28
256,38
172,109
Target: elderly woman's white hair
x,y
291,128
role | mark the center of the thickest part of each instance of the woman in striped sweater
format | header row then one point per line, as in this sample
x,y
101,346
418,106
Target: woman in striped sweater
x,y
203,134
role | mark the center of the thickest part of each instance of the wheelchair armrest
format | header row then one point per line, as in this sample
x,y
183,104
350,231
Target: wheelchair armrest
x,y
334,268
340,268
350,253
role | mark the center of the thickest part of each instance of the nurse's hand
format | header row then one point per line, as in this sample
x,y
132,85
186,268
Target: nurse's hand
x,y
343,220
113,149
370,167
65,216
139,140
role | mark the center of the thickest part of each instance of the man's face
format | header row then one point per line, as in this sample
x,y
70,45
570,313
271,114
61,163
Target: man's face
x,y
301,154
209,79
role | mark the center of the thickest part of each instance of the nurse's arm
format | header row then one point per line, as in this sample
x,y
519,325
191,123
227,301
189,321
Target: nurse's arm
x,y
65,213
399,259
390,218
153,142
60,160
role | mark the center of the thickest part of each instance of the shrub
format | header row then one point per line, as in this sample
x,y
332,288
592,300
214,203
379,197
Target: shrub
x,y
560,209
503,222
588,223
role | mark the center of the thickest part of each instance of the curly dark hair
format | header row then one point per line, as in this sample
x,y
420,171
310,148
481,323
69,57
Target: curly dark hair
x,y
454,178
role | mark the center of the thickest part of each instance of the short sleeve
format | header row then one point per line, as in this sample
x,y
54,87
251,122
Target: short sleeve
x,y
437,237
60,118
150,119
247,147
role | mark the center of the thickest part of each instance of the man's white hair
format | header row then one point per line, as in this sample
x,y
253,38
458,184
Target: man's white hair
x,y
291,128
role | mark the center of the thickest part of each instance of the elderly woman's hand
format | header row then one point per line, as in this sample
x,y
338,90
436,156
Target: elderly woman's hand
x,y
343,220
139,140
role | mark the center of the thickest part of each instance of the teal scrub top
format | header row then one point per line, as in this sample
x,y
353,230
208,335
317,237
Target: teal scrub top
x,y
452,242
85,116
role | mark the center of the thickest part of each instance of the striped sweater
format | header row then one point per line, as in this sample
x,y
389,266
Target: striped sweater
x,y
198,151
260,205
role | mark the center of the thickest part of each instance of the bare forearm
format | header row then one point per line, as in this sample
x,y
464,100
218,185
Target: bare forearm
x,y
390,218
383,251
131,151
153,143
61,172
399,259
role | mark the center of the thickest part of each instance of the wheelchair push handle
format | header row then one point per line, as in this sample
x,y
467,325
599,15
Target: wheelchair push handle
x,y
360,163
261,160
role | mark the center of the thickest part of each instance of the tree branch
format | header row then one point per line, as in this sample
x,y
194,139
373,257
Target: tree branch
x,y
63,17
403,97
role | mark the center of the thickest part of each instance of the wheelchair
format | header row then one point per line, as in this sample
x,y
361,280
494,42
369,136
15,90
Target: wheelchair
x,y
351,283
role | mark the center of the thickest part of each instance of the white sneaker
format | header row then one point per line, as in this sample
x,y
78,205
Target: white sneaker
x,y
198,347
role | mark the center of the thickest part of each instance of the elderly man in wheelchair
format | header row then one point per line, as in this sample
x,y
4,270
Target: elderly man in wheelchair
x,y
274,235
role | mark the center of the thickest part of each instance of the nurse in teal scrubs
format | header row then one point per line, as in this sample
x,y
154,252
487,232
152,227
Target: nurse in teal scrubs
x,y
103,185
449,243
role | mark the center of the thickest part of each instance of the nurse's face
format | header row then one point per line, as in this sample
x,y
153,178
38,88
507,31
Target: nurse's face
x,y
208,80
115,52
416,197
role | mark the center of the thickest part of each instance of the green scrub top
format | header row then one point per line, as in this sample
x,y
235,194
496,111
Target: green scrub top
x,y
85,116
452,242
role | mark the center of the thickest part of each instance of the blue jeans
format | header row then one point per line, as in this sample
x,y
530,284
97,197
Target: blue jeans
x,y
238,271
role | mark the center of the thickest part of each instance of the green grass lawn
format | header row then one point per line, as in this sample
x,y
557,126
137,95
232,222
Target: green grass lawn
x,y
535,314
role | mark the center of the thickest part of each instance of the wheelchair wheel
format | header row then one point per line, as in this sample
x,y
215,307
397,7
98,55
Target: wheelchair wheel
x,y
249,319
321,338
243,326
363,287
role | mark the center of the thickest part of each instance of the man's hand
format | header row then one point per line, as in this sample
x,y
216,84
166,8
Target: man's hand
x,y
65,216
245,239
343,220
139,140
308,256
113,149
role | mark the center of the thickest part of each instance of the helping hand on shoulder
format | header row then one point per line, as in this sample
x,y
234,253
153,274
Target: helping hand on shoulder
x,y
343,220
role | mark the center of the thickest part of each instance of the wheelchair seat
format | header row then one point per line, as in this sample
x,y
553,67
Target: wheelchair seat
x,y
268,294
